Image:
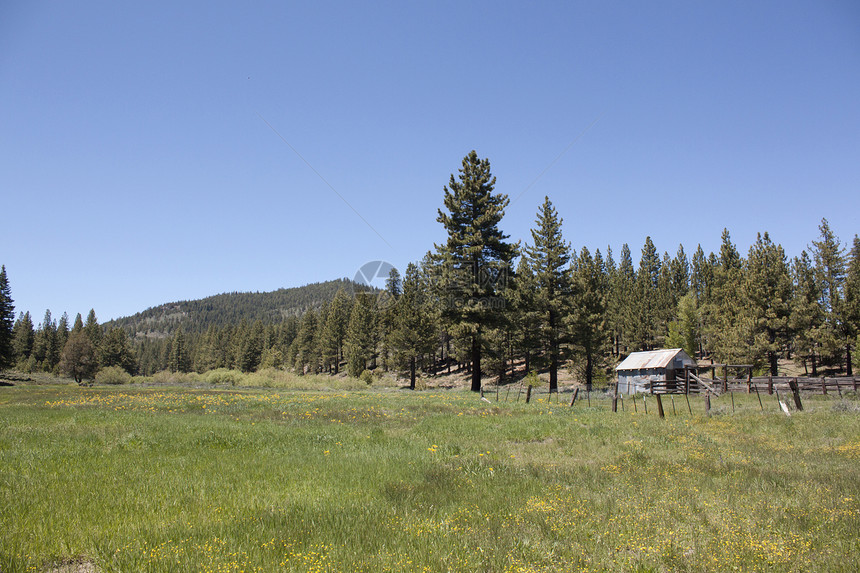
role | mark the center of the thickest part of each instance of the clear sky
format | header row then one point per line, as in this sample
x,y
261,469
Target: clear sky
x,y
140,164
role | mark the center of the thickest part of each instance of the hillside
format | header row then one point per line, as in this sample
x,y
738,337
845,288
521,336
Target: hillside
x,y
231,308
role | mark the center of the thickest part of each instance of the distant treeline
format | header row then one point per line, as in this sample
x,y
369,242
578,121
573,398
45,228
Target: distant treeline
x,y
481,303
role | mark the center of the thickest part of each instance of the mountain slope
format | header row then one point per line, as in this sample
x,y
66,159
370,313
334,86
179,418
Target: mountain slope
x,y
231,308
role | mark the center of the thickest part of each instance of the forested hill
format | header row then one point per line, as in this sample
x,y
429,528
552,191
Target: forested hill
x,y
231,308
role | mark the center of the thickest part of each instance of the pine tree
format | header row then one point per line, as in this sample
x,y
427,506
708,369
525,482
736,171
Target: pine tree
x,y
116,350
7,322
828,254
525,315
92,329
768,294
620,306
729,330
548,260
386,305
62,331
305,350
179,358
587,322
24,338
251,348
361,334
45,347
851,305
476,258
413,335
79,324
336,325
806,316
646,299
684,331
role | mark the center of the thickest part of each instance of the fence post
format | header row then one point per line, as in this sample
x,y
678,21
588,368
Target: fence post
x,y
528,393
760,405
796,391
644,403
824,385
770,385
615,399
660,407
708,402
575,394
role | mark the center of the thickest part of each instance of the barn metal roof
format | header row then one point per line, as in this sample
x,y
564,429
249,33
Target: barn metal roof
x,y
649,359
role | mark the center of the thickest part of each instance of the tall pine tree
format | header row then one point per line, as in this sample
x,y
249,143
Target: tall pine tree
x,y
7,322
548,262
476,259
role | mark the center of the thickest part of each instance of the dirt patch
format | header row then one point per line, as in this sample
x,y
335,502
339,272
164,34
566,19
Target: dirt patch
x,y
73,566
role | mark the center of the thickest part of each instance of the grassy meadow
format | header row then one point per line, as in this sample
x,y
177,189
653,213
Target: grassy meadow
x,y
140,479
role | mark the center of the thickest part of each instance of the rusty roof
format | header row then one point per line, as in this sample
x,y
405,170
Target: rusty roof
x,y
650,359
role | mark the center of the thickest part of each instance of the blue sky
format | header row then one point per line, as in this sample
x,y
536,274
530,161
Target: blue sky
x,y
137,165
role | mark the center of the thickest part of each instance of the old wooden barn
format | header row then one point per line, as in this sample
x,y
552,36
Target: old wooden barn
x,y
640,369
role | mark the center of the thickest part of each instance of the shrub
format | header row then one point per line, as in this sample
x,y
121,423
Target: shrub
x,y
367,377
224,376
532,379
113,375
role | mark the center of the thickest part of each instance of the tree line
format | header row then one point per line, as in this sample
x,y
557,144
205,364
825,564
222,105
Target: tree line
x,y
482,303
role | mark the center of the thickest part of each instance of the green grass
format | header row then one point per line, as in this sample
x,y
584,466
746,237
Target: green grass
x,y
183,479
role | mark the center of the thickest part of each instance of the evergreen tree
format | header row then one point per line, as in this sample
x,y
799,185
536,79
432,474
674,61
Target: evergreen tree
x,y
179,358
828,254
547,261
251,348
768,293
620,306
79,324
7,322
684,331
476,259
851,305
729,330
646,299
24,337
413,335
116,350
336,325
587,322
525,315
387,306
92,329
45,347
361,334
62,331
680,273
806,316
305,348
700,276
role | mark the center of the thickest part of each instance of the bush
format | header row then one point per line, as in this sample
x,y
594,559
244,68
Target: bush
x,y
113,375
167,377
224,376
367,377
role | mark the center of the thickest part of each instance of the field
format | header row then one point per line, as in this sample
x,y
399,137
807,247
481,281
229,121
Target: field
x,y
135,479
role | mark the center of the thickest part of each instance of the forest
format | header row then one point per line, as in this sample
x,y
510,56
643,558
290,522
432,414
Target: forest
x,y
492,307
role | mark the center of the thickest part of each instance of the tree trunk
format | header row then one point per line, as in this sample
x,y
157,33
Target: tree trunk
x,y
553,354
589,371
849,372
774,367
412,372
476,362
